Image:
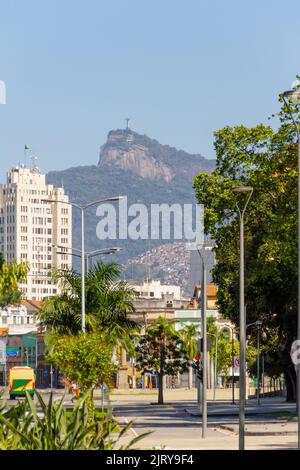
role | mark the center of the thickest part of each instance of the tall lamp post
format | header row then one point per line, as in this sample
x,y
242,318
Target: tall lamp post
x,y
204,253
289,97
248,190
82,209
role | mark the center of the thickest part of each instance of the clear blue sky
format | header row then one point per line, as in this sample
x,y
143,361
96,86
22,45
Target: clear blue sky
x,y
76,69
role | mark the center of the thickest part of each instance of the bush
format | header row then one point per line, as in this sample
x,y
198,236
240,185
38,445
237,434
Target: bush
x,y
28,426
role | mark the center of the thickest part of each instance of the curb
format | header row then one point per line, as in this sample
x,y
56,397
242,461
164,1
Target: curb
x,y
225,413
257,433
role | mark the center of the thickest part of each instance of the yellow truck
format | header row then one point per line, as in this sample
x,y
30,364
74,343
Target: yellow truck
x,y
21,379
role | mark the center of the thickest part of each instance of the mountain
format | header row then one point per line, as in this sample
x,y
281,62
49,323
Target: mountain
x,y
138,167
148,158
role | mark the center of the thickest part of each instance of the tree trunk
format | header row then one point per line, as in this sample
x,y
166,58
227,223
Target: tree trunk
x,y
290,381
161,378
161,388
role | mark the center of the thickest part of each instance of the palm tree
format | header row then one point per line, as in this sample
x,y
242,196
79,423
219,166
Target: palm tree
x,y
189,335
108,303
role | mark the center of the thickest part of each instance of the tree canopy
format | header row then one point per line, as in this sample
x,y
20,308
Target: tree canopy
x,y
10,276
85,358
265,159
108,303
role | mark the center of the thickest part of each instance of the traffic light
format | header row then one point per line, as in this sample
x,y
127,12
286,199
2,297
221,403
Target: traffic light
x,y
197,365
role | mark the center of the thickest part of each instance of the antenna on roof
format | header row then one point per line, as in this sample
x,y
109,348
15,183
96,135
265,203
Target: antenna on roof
x,y
26,147
34,167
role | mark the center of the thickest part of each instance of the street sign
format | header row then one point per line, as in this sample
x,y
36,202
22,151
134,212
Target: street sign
x,y
295,354
236,364
12,351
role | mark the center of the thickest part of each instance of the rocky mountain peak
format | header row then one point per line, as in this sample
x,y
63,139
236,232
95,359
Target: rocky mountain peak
x,y
148,158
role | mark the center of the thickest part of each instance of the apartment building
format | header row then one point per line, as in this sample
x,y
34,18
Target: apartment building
x,y
31,229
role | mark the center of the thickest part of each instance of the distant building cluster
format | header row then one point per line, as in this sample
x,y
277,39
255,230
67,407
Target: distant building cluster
x,y
173,259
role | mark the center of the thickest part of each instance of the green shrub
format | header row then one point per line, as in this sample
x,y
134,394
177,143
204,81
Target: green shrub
x,y
40,426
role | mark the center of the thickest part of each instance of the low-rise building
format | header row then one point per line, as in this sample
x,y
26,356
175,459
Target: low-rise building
x,y
20,318
153,289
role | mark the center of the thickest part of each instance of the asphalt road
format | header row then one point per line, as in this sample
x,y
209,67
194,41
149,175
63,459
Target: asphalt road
x,y
173,428
178,425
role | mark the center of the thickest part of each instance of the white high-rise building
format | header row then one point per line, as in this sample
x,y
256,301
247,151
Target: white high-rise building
x,y
32,229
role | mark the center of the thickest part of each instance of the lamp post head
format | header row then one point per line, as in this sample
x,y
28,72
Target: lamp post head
x,y
294,93
110,251
114,198
242,189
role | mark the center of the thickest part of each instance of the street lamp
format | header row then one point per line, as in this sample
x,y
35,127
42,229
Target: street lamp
x,y
204,254
289,97
83,208
89,254
248,190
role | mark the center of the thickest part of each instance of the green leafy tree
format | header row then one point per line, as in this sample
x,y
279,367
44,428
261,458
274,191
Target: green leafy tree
x,y
10,276
85,358
224,359
108,305
265,159
161,351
